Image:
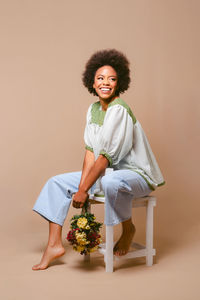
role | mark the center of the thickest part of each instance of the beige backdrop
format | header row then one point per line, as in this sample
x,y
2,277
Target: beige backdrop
x,y
44,47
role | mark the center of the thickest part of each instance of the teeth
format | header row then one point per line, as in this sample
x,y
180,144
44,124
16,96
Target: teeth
x,y
104,89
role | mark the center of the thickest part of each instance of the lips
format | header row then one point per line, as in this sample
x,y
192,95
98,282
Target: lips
x,y
105,89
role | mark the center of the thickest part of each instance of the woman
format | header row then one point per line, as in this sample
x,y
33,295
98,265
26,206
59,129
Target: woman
x,y
113,138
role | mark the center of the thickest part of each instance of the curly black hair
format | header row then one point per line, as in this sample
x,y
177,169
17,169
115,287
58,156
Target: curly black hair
x,y
108,57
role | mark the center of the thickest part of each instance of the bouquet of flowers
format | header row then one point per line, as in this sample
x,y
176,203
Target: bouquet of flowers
x,y
84,235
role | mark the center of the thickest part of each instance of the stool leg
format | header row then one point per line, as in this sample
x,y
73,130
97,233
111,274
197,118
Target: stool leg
x,y
109,249
149,233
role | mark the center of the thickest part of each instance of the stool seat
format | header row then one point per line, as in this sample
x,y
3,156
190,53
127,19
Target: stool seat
x,y
139,250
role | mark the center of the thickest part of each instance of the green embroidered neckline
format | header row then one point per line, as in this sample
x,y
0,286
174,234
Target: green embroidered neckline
x,y
98,114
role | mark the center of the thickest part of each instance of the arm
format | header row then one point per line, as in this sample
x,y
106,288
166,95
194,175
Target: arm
x,y
115,142
88,162
90,174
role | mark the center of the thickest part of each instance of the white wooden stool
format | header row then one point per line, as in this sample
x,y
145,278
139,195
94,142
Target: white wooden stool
x,y
141,251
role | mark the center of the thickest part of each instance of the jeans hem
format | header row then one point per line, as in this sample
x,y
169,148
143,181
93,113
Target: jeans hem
x,y
118,222
45,216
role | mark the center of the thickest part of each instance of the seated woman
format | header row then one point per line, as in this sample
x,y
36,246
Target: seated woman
x,y
114,138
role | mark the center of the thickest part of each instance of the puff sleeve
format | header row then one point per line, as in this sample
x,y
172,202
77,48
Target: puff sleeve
x,y
87,132
116,138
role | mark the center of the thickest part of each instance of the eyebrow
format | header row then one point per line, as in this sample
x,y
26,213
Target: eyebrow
x,y
108,76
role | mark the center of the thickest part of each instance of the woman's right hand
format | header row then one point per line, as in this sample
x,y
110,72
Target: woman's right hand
x,y
79,199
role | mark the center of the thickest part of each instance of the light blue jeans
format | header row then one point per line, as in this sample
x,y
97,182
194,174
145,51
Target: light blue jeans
x,y
119,187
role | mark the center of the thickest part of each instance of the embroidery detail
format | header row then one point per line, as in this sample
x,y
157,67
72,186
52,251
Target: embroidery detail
x,y
98,115
102,152
122,103
89,148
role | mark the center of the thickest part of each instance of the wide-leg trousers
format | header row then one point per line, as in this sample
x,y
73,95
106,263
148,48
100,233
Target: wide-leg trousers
x,y
120,188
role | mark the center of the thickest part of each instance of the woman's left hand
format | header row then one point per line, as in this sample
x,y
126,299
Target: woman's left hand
x,y
79,199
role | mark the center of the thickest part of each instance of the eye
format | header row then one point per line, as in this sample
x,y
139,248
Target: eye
x,y
113,79
100,78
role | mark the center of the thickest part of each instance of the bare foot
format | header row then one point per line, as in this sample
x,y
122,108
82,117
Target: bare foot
x,y
50,254
123,244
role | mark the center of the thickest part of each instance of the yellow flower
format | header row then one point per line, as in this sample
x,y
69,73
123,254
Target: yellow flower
x,y
94,249
99,240
81,238
79,248
82,222
87,227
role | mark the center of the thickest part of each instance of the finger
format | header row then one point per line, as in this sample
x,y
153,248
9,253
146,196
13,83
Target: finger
x,y
75,204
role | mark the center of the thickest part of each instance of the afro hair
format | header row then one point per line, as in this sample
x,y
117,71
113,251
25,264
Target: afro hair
x,y
109,57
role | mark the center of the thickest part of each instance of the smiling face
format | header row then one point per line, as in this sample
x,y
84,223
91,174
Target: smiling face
x,y
105,83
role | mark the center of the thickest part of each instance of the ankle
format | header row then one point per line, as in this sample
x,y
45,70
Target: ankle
x,y
128,227
55,244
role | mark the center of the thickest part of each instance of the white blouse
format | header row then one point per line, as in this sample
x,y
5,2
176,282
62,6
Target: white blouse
x,y
116,134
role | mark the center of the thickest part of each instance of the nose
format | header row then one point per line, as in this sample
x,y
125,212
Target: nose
x,y
105,81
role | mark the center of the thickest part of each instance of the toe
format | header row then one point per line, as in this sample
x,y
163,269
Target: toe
x,y
39,267
35,267
43,267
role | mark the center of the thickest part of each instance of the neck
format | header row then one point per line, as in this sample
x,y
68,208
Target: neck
x,y
105,103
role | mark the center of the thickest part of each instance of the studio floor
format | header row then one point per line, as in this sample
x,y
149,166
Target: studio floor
x,y
174,275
